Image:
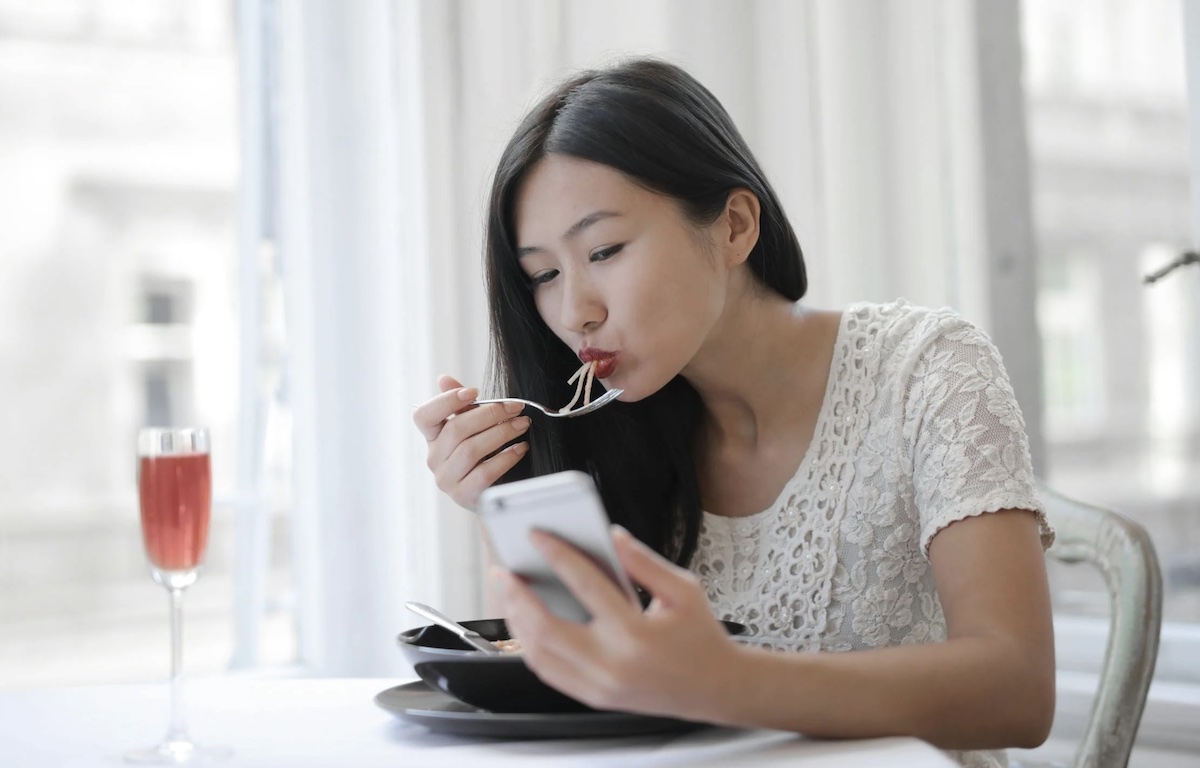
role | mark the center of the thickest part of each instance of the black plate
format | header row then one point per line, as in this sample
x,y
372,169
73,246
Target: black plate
x,y
499,683
420,704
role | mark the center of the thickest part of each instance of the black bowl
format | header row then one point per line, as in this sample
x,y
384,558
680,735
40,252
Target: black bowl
x,y
500,682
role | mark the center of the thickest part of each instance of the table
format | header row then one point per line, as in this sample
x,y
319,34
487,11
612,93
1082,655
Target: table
x,y
302,723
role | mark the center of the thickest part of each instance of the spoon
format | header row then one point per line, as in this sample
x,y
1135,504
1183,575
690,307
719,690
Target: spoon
x,y
468,636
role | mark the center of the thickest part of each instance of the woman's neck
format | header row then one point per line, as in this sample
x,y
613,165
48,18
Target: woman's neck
x,y
765,363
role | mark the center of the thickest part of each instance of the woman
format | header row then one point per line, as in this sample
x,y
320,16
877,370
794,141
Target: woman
x,y
854,481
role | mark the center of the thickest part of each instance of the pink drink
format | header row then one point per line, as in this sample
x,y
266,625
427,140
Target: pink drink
x,y
176,499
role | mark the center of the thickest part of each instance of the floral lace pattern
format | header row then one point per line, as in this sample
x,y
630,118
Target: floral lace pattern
x,y
919,428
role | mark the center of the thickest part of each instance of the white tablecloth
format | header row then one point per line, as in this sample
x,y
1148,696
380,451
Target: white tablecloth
x,y
322,722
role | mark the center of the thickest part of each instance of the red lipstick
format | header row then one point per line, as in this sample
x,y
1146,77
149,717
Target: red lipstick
x,y
606,362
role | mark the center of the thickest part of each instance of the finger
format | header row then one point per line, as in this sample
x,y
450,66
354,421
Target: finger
x,y
474,421
486,473
541,632
568,657
430,417
470,437
561,653
447,383
669,583
586,581
470,452
527,617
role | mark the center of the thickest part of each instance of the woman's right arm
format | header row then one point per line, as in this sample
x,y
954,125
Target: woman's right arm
x,y
462,439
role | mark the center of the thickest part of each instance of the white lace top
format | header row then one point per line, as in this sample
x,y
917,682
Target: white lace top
x,y
919,428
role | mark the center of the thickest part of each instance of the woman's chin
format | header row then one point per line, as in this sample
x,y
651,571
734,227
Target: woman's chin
x,y
630,393
626,396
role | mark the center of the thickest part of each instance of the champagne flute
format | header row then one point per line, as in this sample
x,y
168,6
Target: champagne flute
x,y
175,497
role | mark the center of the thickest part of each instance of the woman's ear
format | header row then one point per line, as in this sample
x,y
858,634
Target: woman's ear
x,y
741,216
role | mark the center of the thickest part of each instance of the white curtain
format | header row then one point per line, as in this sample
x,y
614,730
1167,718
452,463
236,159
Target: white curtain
x,y
365,328
867,115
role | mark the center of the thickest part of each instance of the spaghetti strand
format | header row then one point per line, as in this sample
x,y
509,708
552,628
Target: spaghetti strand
x,y
587,388
577,380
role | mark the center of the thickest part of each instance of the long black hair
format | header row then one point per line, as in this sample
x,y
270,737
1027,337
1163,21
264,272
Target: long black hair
x,y
663,130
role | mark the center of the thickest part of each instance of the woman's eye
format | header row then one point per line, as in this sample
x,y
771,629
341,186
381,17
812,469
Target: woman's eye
x,y
541,278
607,253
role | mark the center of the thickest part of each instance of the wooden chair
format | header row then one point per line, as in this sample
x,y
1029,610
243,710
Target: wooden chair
x,y
1123,553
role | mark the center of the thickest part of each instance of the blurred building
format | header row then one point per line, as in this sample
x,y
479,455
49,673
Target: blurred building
x,y
1109,141
118,181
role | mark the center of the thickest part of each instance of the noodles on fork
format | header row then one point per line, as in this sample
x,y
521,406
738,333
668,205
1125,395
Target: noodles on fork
x,y
588,368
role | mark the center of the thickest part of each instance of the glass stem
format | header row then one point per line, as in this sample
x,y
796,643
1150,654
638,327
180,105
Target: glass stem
x,y
177,731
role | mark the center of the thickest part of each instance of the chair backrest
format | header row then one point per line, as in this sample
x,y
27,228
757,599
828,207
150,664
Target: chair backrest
x,y
1122,551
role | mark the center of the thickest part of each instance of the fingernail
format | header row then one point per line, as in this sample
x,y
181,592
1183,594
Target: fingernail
x,y
467,394
519,448
619,530
514,407
521,424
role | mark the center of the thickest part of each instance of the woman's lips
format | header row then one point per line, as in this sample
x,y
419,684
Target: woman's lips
x,y
605,367
606,362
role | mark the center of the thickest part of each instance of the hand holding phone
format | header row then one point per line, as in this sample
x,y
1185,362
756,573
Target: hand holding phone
x,y
565,504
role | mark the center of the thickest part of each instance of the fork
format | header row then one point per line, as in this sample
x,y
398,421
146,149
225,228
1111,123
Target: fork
x,y
599,402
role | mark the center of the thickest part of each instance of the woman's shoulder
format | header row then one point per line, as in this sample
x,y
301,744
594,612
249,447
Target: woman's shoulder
x,y
899,328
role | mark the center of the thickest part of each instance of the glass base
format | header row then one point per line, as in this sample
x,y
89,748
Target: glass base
x,y
178,753
175,579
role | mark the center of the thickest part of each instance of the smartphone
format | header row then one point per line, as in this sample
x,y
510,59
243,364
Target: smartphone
x,y
565,504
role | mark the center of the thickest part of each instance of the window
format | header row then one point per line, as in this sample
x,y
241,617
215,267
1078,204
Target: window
x,y
1073,370
1109,138
118,308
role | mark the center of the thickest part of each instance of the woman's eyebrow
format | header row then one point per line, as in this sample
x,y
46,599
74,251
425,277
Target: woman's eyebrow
x,y
574,231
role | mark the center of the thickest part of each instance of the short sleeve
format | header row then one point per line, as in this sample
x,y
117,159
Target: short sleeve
x,y
965,433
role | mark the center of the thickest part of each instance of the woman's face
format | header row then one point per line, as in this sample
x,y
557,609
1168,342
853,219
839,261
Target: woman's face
x,y
618,272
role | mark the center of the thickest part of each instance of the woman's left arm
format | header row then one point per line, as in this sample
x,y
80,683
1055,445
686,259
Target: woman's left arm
x,y
989,685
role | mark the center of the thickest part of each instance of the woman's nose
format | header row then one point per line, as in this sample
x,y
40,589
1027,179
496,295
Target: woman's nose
x,y
582,306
